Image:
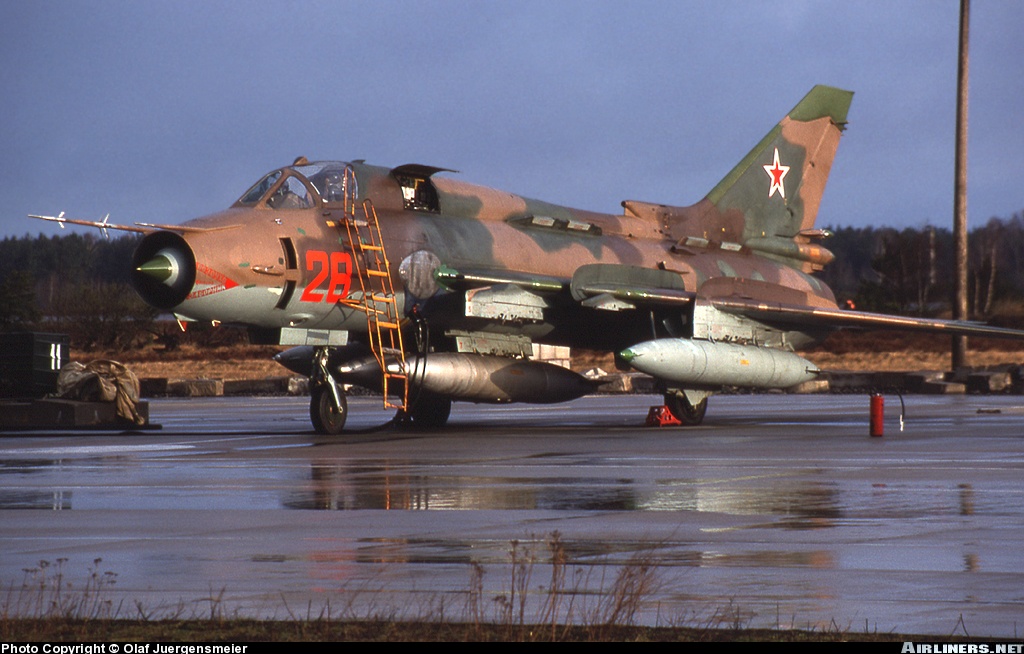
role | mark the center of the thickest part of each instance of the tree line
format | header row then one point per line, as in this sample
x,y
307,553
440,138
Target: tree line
x,y
75,284
910,271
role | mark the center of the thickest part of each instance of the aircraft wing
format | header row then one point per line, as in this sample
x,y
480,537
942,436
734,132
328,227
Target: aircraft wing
x,y
827,317
617,287
465,279
601,286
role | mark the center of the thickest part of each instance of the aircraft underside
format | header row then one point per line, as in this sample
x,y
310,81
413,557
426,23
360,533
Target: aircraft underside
x,y
456,363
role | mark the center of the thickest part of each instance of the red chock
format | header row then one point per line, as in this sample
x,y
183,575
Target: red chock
x,y
661,416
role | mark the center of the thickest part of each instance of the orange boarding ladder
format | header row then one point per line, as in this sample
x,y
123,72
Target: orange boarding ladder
x,y
373,272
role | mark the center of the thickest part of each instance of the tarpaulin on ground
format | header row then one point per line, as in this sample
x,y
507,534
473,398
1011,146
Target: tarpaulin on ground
x,y
102,381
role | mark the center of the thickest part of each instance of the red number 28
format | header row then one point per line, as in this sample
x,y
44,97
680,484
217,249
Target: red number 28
x,y
337,267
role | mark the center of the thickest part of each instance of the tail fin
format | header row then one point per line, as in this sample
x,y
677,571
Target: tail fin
x,y
778,186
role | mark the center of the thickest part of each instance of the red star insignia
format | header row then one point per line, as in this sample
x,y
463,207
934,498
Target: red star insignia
x,y
777,172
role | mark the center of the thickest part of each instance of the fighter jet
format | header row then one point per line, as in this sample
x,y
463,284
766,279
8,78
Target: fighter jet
x,y
429,289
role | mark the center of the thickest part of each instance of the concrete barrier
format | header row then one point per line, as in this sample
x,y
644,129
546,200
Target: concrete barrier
x,y
50,413
267,386
195,387
916,381
988,382
813,386
298,386
618,383
942,388
152,386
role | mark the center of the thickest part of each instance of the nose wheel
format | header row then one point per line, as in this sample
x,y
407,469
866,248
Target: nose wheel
x,y
327,416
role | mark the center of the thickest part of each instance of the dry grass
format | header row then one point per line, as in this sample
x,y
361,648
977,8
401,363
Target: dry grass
x,y
902,351
209,369
568,602
909,360
192,362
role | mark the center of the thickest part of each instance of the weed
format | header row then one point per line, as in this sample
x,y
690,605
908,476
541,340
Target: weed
x,y
45,592
575,601
634,583
46,595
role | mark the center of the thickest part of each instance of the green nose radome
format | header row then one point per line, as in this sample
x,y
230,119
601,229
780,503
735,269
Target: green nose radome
x,y
161,268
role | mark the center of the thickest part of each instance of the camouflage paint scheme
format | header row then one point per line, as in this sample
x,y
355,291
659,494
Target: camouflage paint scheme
x,y
475,261
737,240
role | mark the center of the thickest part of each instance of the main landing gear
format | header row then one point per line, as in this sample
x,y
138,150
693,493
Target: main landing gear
x,y
428,411
328,407
689,413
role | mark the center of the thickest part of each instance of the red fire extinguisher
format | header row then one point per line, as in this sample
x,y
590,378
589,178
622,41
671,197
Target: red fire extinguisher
x,y
877,415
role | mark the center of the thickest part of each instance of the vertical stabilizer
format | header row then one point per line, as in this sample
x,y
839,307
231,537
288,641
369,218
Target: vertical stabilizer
x,y
776,189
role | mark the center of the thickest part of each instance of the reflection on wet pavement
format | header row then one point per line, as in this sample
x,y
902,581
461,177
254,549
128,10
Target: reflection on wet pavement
x,y
766,518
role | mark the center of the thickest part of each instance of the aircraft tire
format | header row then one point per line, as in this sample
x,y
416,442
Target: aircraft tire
x,y
430,412
327,419
690,415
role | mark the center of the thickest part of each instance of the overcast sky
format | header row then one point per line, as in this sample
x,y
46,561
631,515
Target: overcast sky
x,y
164,111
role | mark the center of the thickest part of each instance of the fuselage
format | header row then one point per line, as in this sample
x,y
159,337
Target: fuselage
x,y
277,258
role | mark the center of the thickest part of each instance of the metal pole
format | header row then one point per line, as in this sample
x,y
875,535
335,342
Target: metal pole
x,y
960,191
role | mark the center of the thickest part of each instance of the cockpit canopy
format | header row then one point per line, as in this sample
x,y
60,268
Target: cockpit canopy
x,y
301,186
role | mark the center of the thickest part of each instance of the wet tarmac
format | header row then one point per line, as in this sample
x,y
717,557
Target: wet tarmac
x,y
778,511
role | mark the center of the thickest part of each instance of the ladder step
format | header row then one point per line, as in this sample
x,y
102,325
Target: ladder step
x,y
376,273
387,325
371,248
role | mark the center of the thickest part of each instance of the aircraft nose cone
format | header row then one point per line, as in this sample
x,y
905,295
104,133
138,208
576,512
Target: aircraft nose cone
x,y
161,268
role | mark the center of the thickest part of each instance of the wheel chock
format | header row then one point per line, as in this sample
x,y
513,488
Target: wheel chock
x,y
661,416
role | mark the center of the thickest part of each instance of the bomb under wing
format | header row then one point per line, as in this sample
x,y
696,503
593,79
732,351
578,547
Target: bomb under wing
x,y
460,376
710,365
482,378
